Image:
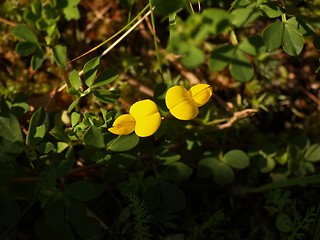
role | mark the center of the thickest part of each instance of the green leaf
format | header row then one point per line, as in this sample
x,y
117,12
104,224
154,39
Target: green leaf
x,y
236,158
60,55
167,157
73,105
75,209
45,147
243,16
106,96
62,167
164,7
193,57
26,48
221,57
240,67
59,133
300,26
87,228
124,143
75,117
82,190
55,214
176,171
271,9
217,20
283,223
173,197
313,153
222,173
25,34
90,70
272,35
253,45
38,127
292,41
205,167
71,12
105,77
75,79
94,137
266,164
61,146
11,139
37,59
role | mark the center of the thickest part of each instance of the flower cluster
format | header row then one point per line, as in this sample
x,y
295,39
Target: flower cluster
x,y
144,118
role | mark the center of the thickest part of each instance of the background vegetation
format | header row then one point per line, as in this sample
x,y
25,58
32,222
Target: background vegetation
x,y
246,168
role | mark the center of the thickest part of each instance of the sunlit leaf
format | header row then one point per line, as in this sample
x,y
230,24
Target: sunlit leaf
x,y
272,35
313,153
124,143
271,9
60,55
236,158
292,41
90,70
25,33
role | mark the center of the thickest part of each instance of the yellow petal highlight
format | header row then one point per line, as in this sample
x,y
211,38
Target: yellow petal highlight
x,y
185,110
147,117
123,125
148,125
176,95
200,93
180,104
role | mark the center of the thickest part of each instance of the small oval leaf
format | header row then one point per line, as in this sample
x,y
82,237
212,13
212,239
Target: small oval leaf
x,y
236,158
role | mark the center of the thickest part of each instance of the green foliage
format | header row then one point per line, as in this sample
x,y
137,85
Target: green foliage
x,y
245,167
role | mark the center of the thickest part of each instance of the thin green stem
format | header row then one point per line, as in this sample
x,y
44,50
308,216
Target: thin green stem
x,y
155,36
284,18
130,10
286,183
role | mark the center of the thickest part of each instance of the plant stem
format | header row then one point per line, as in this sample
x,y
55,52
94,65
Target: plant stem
x,y
155,36
284,18
286,183
114,35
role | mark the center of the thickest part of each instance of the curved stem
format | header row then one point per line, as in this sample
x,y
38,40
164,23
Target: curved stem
x,y
114,35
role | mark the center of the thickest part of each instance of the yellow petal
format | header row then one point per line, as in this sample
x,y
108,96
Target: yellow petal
x,y
176,95
200,93
147,117
186,110
148,125
143,108
180,103
123,125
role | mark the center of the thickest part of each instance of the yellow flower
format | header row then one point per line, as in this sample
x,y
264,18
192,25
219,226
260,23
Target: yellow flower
x,y
147,117
144,119
184,104
123,125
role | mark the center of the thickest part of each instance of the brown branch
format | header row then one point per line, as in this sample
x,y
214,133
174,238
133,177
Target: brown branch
x,y
237,116
7,22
